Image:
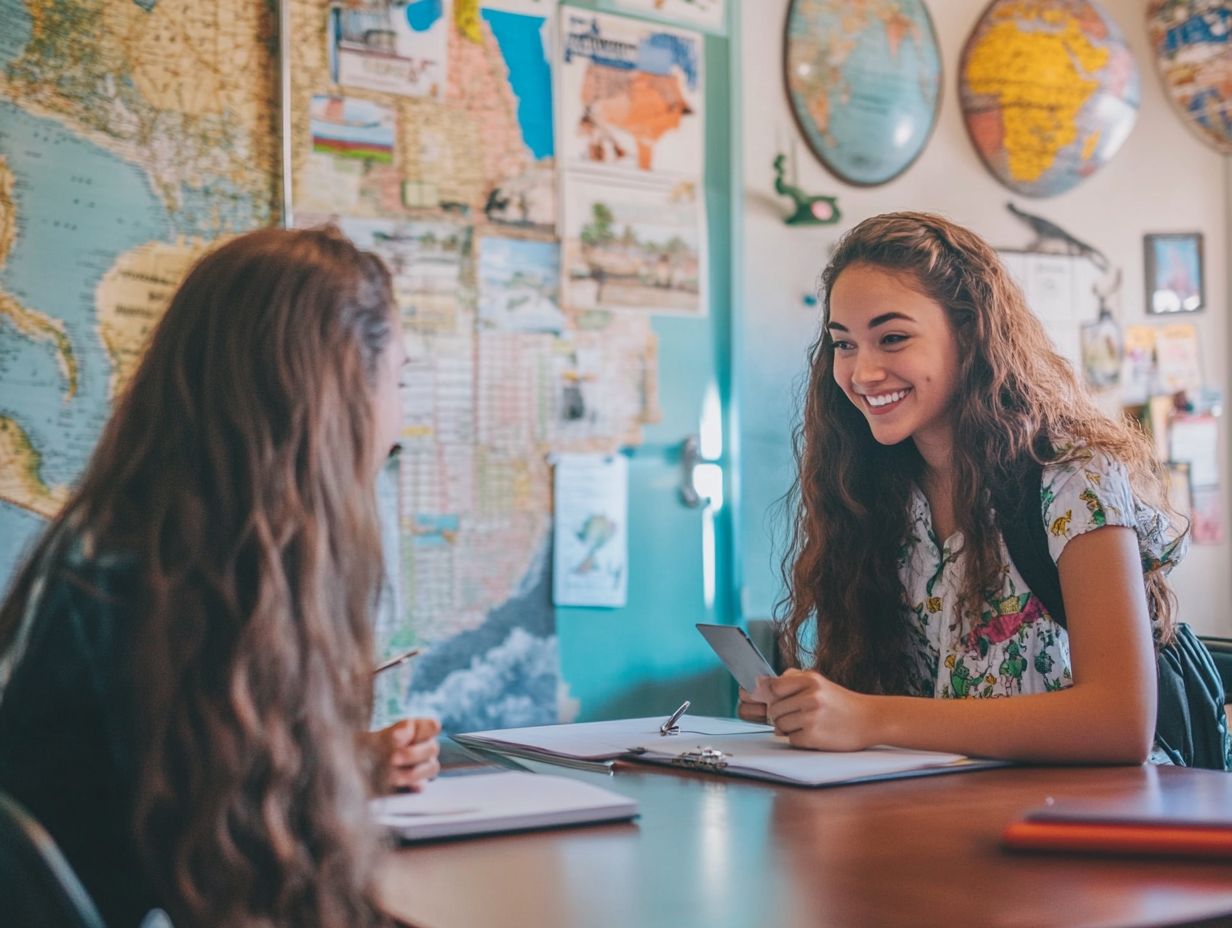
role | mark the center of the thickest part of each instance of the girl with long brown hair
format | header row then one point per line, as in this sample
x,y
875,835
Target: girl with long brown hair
x,y
932,388
186,657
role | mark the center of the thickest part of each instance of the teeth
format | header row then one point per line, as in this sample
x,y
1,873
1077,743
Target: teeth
x,y
886,398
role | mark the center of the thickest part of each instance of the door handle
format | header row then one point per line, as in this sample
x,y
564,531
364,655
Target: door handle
x,y
690,457
701,479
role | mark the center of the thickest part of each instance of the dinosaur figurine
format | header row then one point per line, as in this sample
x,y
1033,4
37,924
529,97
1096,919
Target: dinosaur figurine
x,y
810,210
1045,230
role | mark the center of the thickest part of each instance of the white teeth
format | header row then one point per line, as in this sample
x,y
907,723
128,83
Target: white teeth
x,y
886,398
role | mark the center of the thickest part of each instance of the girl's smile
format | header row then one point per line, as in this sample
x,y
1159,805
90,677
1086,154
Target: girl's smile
x,y
881,403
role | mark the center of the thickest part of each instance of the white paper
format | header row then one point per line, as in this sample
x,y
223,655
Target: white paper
x,y
748,749
1058,289
607,740
1196,439
590,554
772,757
493,802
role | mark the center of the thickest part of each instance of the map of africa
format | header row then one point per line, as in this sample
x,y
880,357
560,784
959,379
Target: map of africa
x,y
1049,92
1193,51
127,145
864,80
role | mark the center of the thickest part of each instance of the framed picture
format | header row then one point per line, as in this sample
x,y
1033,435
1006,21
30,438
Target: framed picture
x,y
1174,273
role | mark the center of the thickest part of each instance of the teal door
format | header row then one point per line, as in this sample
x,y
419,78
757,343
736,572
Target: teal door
x,y
647,658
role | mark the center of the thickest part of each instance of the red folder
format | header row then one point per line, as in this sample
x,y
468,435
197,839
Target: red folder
x,y
1186,816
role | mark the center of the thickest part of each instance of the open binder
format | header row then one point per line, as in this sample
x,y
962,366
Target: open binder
x,y
723,746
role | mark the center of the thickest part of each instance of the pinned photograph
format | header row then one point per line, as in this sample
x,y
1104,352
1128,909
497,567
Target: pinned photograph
x,y
633,247
1101,352
391,47
519,285
1174,273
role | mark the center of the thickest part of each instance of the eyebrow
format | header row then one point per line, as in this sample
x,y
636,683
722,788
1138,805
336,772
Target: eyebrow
x,y
874,322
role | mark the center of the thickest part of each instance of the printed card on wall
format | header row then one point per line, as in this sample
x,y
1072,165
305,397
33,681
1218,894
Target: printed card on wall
x,y
1179,358
590,538
1139,377
631,246
1058,291
351,138
1195,439
631,96
519,285
396,48
1207,525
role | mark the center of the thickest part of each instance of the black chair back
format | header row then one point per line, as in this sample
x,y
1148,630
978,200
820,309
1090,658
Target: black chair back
x,y
38,888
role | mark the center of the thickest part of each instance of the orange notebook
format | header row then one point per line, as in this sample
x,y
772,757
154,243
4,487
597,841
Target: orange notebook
x,y
1175,816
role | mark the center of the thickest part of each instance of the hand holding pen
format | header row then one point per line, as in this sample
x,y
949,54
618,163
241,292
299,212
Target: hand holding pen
x,y
406,750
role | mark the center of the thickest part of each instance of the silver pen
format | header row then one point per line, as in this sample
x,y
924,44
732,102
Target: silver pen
x,y
395,661
670,727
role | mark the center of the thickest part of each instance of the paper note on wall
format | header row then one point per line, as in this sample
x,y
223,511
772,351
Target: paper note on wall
x,y
590,536
1179,358
1196,439
1058,290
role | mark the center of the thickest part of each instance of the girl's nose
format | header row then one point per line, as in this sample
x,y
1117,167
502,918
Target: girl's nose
x,y
867,370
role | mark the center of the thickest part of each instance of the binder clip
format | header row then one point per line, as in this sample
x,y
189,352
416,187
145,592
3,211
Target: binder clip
x,y
702,759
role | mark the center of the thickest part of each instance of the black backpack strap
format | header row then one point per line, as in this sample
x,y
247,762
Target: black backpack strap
x,y
1020,518
1191,726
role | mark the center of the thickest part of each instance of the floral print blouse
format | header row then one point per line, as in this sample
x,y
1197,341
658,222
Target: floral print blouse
x,y
1015,647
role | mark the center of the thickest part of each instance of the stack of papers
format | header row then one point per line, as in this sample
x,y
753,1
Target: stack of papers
x,y
496,802
727,746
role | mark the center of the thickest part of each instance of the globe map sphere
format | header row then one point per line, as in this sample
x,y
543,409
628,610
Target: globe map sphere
x,y
1049,91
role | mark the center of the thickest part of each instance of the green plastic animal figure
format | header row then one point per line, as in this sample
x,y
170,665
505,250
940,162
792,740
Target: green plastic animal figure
x,y
810,210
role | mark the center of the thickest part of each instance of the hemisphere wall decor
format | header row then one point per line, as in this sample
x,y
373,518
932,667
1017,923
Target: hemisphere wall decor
x,y
1192,40
1049,90
864,83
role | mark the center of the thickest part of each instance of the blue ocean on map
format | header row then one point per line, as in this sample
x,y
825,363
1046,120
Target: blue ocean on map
x,y
16,31
520,39
78,209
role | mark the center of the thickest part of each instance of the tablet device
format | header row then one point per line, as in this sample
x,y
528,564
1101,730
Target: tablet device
x,y
737,651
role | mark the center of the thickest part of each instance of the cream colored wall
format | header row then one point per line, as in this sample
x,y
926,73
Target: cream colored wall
x,y
1163,179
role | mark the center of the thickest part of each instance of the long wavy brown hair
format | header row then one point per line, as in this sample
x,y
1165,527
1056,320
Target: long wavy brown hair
x,y
238,469
850,503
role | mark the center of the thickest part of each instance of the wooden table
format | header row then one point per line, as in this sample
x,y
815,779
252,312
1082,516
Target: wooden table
x,y
719,851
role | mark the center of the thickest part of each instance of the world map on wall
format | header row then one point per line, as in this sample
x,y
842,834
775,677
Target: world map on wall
x,y
136,134
1192,40
127,146
864,80
1049,91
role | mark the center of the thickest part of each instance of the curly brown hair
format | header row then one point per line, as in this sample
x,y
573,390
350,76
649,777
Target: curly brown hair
x,y
238,469
849,506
